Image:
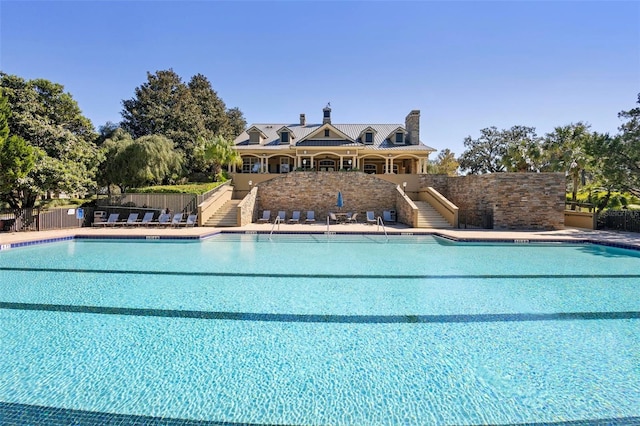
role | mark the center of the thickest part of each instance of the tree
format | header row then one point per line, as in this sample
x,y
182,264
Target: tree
x,y
48,118
237,122
628,145
184,113
221,152
445,164
148,160
18,188
523,150
565,150
514,150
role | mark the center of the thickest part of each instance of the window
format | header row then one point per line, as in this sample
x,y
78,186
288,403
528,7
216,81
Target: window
x,y
399,137
326,165
254,137
327,113
368,137
284,137
250,165
326,133
370,169
284,165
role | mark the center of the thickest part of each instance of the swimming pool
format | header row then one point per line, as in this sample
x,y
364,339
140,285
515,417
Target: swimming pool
x,y
321,330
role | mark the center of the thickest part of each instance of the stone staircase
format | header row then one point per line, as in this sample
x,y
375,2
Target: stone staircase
x,y
225,215
428,217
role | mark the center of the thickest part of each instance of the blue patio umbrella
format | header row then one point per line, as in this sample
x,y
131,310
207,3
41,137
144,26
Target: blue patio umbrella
x,y
340,202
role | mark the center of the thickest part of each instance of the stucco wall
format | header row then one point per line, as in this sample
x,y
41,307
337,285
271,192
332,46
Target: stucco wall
x,y
318,191
508,200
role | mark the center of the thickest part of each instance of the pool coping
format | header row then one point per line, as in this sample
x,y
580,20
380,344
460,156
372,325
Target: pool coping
x,y
627,241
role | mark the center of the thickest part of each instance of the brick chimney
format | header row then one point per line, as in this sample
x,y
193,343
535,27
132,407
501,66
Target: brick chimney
x,y
412,125
326,114
303,120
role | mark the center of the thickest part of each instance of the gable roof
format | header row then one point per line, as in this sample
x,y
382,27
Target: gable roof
x,y
351,131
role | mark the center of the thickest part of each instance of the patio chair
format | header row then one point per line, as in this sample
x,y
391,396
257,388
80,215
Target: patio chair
x,y
352,218
282,215
386,216
332,216
132,219
266,216
371,218
177,219
311,217
111,221
163,220
191,220
147,218
295,217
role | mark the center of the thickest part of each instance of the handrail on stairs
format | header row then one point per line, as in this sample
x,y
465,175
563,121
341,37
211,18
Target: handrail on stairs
x,y
275,222
380,222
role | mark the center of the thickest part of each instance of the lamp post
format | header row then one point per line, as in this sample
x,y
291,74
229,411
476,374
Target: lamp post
x,y
404,188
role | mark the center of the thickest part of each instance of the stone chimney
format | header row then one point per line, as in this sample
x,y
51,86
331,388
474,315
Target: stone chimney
x,y
326,114
303,120
412,125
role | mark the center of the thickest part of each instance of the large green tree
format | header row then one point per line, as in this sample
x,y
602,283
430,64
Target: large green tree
x,y
445,164
184,113
221,152
48,118
514,150
566,151
129,163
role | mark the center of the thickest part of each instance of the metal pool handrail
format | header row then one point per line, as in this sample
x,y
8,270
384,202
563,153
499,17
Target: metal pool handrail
x,y
275,222
380,222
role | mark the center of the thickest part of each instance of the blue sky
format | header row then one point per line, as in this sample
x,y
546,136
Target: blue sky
x,y
465,65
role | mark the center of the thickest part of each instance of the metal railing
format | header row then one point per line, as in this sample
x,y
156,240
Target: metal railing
x,y
379,222
275,222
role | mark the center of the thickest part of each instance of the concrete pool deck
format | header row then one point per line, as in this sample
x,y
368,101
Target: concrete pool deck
x,y
612,238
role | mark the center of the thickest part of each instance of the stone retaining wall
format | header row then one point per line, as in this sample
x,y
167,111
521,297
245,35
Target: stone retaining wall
x,y
318,191
505,200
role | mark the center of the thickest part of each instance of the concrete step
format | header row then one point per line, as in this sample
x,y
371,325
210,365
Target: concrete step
x,y
225,216
428,217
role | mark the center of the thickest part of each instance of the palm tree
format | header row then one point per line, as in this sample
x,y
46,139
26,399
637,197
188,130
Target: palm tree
x,y
221,152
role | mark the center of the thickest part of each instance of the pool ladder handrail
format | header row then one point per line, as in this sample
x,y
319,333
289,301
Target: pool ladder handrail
x,y
275,222
380,222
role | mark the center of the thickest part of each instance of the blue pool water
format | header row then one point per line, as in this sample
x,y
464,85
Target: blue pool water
x,y
347,330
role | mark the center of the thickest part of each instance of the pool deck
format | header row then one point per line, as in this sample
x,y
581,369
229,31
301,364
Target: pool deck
x,y
611,238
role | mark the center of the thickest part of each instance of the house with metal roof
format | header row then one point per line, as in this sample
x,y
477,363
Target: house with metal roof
x,y
371,148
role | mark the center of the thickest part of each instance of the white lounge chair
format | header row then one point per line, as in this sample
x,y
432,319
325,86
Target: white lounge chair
x,y
371,218
352,218
332,216
295,217
282,215
163,220
266,216
386,216
191,220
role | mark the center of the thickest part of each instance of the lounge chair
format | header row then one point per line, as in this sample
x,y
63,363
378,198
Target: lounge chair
x,y
311,217
132,219
266,216
146,220
386,216
163,220
282,215
295,217
352,218
371,218
177,219
111,221
332,216
191,220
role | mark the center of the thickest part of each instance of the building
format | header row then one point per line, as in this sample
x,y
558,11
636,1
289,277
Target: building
x,y
372,148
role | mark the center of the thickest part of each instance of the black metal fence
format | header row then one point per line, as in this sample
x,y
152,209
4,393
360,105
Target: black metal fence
x,y
621,220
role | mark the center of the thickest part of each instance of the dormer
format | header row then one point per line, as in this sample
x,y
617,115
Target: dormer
x,y
286,135
326,131
398,136
256,136
367,136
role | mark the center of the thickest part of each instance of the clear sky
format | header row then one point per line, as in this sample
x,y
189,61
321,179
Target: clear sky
x,y
465,65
